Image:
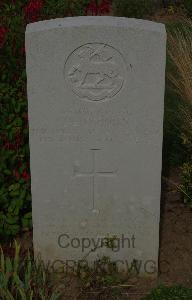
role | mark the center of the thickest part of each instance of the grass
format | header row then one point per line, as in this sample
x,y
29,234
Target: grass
x,y
174,151
179,50
21,278
175,292
180,80
180,76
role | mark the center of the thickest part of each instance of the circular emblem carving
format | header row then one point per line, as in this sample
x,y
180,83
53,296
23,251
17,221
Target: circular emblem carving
x,y
95,71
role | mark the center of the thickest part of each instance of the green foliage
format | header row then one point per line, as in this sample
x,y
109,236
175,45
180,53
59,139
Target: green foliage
x,y
174,151
64,8
15,196
186,186
104,273
133,8
179,69
186,169
24,279
188,6
186,129
176,292
178,112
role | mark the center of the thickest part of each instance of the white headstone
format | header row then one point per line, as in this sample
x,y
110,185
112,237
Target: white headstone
x,y
95,97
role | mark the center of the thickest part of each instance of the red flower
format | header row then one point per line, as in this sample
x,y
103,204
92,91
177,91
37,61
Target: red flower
x,y
16,174
25,175
18,143
105,7
20,162
33,9
98,9
3,35
25,117
92,8
13,146
23,51
9,146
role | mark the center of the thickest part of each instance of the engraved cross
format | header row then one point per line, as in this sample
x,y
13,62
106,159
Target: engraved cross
x,y
93,174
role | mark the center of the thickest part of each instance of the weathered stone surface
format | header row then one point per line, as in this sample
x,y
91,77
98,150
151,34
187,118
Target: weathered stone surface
x,y
95,98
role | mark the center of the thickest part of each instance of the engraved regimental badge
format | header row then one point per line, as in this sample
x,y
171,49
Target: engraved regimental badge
x,y
95,71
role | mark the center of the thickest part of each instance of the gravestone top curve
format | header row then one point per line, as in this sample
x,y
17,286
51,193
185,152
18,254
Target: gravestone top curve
x,y
97,21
